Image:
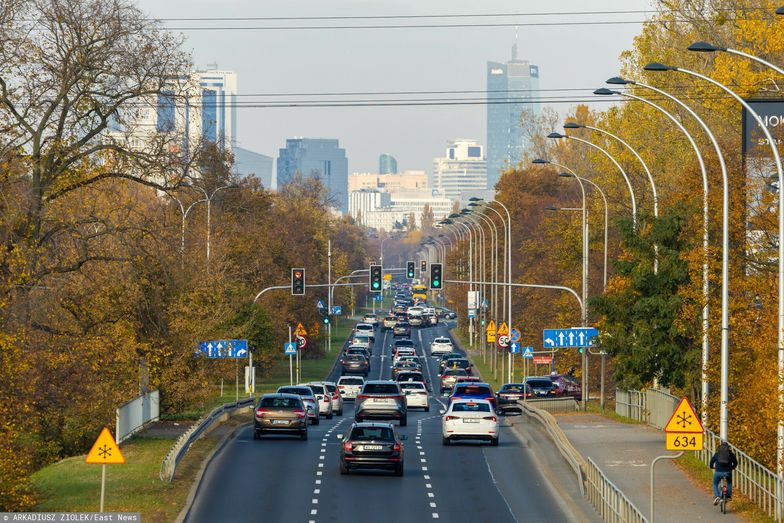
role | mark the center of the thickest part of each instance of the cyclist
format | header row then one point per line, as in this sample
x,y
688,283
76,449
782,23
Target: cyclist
x,y
723,462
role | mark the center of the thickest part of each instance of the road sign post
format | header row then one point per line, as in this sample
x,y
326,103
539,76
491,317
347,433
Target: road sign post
x,y
104,452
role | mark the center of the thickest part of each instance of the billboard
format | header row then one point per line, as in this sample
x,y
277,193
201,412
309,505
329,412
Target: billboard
x,y
772,113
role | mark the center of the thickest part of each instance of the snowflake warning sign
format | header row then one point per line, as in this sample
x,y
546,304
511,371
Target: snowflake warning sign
x,y
105,451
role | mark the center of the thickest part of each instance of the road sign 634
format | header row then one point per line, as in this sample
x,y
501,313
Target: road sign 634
x,y
683,441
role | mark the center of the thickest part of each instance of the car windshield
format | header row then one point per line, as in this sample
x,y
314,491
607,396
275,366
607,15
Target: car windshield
x,y
332,388
443,340
380,388
350,381
317,389
459,363
410,376
281,403
404,343
470,407
512,388
372,433
452,356
540,384
300,391
455,372
412,385
355,357
360,351
474,390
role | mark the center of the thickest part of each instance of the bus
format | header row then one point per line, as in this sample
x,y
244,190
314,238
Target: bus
x,y
419,291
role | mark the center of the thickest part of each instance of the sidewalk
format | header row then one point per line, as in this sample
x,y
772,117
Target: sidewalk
x,y
624,453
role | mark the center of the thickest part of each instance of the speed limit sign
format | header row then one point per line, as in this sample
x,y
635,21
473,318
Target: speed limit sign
x,y
503,341
302,342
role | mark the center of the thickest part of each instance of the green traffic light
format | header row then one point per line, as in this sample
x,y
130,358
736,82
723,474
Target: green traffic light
x,y
436,283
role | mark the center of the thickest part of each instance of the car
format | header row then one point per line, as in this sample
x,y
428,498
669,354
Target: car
x,y
441,345
362,351
371,446
508,396
474,391
442,363
381,399
349,386
337,399
401,329
281,414
362,340
402,343
355,364
468,379
389,322
448,377
469,419
446,313
460,363
416,394
365,329
402,353
542,387
308,399
323,398
567,385
416,321
404,366
411,359
370,318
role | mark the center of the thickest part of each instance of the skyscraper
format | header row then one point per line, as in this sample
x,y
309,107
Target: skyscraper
x,y
316,157
462,170
387,164
218,107
510,87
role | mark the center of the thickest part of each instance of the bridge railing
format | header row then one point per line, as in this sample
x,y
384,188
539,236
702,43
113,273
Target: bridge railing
x,y
760,484
133,416
184,442
612,504
565,404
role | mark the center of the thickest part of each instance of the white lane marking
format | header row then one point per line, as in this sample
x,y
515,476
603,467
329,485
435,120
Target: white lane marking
x,y
322,457
318,482
424,469
435,515
431,495
432,505
313,512
319,473
314,501
316,491
427,366
426,476
321,465
423,460
428,485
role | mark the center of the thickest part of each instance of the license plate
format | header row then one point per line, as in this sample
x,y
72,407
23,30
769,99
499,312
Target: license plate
x,y
280,422
470,420
379,400
372,447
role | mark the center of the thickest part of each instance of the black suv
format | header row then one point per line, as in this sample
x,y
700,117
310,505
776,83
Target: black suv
x,y
354,364
371,446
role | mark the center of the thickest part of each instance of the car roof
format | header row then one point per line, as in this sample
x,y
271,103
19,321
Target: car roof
x,y
471,400
279,395
351,378
381,381
371,424
297,387
472,384
363,324
413,382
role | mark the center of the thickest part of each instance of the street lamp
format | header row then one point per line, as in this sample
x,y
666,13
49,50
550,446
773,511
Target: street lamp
x,y
705,210
723,433
184,211
614,161
208,199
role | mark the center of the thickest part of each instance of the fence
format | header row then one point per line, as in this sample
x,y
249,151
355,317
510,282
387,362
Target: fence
x,y
134,415
760,484
172,459
613,506
555,404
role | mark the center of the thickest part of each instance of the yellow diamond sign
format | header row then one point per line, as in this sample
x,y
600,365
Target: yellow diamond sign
x,y
105,451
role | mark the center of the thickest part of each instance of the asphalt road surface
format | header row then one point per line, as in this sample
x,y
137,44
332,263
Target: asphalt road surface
x,y
282,479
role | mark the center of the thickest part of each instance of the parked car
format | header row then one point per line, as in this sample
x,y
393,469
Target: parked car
x,y
542,387
337,399
308,399
355,364
469,419
381,400
508,396
448,377
441,345
323,398
371,446
280,414
349,386
416,394
473,391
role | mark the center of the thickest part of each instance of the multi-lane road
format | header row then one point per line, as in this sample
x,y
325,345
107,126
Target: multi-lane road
x,y
288,480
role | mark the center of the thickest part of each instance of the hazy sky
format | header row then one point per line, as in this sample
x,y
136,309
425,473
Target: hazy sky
x,y
373,60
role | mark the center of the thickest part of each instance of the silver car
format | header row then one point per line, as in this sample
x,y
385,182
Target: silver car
x,y
381,399
337,399
323,399
308,398
350,386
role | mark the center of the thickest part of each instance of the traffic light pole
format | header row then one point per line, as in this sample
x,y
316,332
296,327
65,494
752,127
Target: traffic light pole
x,y
329,294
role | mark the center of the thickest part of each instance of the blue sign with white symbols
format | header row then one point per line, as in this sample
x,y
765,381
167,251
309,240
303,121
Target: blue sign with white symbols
x,y
514,335
224,348
514,347
289,348
320,304
575,337
337,310
528,352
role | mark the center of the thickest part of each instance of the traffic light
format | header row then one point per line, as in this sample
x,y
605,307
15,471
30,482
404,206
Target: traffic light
x,y
423,268
298,282
326,319
375,278
410,270
435,276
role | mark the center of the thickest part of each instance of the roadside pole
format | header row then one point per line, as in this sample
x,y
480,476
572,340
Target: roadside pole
x,y
237,378
329,294
291,369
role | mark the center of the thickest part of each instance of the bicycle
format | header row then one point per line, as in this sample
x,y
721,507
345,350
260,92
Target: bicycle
x,y
723,498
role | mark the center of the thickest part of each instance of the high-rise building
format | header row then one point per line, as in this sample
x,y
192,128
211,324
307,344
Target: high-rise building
x,y
218,106
462,170
322,158
388,182
510,88
387,164
251,163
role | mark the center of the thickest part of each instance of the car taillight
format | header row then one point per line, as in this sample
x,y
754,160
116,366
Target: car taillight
x,y
451,418
490,418
490,398
347,446
341,387
299,412
335,396
362,397
396,447
261,411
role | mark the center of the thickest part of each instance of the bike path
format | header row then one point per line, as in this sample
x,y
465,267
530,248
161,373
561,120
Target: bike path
x,y
624,453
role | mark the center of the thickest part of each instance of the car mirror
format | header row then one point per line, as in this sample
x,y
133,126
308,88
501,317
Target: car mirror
x,y
442,411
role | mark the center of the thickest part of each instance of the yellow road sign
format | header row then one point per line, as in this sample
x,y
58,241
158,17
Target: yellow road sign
x,y
388,277
105,451
491,331
503,330
678,441
300,330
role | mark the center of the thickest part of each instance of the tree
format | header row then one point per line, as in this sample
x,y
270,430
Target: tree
x,y
427,220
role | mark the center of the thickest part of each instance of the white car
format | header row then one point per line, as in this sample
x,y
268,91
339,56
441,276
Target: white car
x,y
337,399
401,353
441,345
416,394
362,340
372,319
349,386
469,419
323,398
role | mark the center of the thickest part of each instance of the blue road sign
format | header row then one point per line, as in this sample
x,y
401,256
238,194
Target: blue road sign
x,y
289,348
574,337
528,352
320,304
224,348
514,335
514,347
471,313
337,310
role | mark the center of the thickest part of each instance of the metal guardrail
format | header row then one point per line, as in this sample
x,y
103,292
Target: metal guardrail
x,y
133,416
760,484
567,404
172,459
612,504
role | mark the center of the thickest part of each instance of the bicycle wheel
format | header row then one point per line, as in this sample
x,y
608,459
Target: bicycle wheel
x,y
723,504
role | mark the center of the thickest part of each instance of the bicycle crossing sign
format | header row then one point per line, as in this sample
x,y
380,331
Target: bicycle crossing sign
x,y
684,431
